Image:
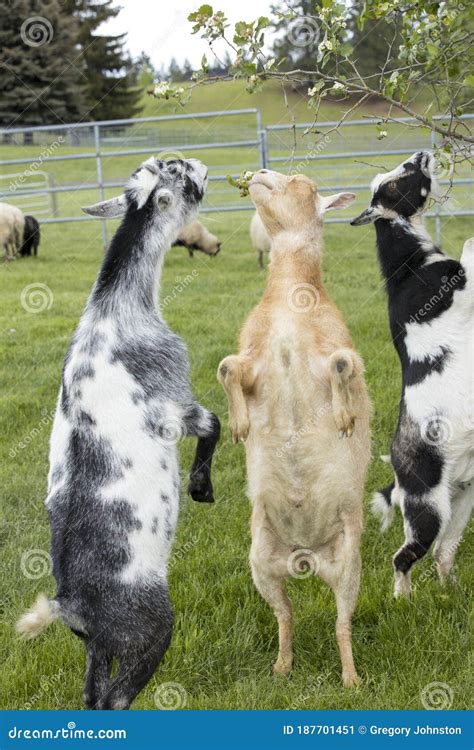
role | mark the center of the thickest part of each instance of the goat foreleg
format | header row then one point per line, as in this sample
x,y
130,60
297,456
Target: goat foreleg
x,y
206,427
235,376
344,366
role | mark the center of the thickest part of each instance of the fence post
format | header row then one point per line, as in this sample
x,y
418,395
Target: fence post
x,y
438,205
100,181
262,137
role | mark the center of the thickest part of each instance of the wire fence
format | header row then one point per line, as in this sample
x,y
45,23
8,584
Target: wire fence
x,y
67,166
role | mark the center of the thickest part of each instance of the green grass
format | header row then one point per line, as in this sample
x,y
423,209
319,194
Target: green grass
x,y
225,638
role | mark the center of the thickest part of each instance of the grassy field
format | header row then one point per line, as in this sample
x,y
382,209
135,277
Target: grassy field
x,y
225,638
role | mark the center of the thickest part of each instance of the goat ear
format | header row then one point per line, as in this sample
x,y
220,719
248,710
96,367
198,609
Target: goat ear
x,y
107,209
338,200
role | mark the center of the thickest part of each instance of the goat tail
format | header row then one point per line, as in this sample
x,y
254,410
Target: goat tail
x,y
39,617
383,505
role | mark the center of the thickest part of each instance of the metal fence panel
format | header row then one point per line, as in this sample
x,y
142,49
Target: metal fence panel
x,y
68,166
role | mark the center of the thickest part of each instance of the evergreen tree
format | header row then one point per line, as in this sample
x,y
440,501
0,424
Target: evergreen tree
x,y
40,71
111,83
372,43
174,71
187,70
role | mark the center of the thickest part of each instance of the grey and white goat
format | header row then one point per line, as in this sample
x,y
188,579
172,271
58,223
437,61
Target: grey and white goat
x,y
125,399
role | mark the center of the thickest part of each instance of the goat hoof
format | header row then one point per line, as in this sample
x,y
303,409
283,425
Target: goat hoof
x,y
200,490
282,667
351,680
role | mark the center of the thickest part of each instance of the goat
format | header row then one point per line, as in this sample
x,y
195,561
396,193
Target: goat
x,y
31,237
125,399
431,314
259,238
195,236
12,223
298,400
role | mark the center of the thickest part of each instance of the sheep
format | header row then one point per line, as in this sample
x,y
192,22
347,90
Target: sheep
x,y
259,238
298,400
195,236
431,313
12,223
31,237
113,485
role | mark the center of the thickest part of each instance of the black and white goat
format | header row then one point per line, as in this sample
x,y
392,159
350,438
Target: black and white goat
x,y
125,399
431,312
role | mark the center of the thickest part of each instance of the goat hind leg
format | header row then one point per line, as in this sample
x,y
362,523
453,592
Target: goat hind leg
x,y
269,565
99,666
422,522
447,544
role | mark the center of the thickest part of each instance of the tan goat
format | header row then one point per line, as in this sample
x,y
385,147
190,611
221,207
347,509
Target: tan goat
x,y
298,400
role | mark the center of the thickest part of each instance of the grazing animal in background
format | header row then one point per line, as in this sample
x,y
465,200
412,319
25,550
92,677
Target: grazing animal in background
x,y
259,238
195,236
125,399
298,400
431,313
31,237
12,223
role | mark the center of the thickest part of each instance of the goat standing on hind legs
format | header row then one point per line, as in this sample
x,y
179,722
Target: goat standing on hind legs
x,y
431,312
114,487
298,400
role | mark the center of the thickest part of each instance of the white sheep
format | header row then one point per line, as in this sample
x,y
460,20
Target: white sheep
x,y
12,225
259,238
195,236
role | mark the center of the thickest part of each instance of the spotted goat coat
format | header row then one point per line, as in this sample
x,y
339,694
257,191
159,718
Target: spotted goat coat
x,y
114,480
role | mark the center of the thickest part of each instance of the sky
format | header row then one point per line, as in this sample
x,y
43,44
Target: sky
x,y
161,29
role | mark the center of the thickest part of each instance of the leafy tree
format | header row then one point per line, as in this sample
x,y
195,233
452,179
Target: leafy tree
x,y
111,89
40,71
431,50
